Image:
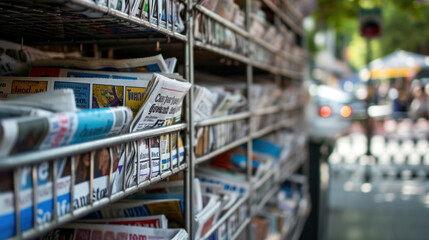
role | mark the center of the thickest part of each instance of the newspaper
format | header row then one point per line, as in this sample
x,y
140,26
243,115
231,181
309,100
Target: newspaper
x,y
89,92
59,129
207,217
156,221
39,104
16,59
148,64
162,103
58,100
100,231
158,13
171,208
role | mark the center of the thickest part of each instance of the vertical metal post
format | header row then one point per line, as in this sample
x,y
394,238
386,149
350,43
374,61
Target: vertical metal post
x,y
54,190
190,156
17,203
35,183
137,157
91,178
249,82
72,181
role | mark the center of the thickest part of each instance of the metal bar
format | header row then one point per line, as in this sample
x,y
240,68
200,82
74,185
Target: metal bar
x,y
264,179
178,149
125,166
149,11
78,213
17,203
38,156
267,197
150,158
173,17
222,150
131,19
264,131
167,12
137,157
170,142
73,160
283,16
54,190
35,183
241,228
223,52
266,67
189,134
222,21
264,44
109,186
223,119
267,110
91,178
225,217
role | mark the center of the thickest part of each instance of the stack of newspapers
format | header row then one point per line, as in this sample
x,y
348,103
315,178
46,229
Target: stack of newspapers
x,y
214,33
156,12
68,101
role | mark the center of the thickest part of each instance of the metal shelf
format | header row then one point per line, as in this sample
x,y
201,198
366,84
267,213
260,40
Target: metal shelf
x,y
265,131
264,66
225,217
222,150
221,20
220,51
40,20
223,119
267,110
284,17
75,149
241,228
264,44
264,179
78,213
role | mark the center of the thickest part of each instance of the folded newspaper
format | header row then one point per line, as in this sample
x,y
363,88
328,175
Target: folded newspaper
x,y
42,132
39,104
16,59
148,64
100,231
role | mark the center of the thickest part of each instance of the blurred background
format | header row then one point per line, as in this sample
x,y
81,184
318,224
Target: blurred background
x,y
368,118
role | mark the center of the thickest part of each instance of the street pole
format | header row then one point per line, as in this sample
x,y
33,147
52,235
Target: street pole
x,y
370,91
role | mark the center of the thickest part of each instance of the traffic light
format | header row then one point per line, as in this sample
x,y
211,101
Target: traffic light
x,y
370,22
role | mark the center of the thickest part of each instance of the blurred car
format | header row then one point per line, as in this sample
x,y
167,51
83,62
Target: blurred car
x,y
331,111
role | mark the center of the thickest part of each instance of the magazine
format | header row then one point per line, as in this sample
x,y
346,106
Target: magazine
x,y
171,208
89,92
45,200
59,129
148,64
155,221
208,215
101,231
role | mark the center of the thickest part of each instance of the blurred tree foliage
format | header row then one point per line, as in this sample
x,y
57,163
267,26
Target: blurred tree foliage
x,y
405,26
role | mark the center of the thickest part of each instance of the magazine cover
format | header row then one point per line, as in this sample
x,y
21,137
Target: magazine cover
x,y
156,221
89,92
44,194
101,231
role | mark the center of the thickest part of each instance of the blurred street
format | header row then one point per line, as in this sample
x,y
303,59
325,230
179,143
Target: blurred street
x,y
385,196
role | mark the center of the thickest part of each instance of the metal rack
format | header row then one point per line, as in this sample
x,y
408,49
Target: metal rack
x,y
56,22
